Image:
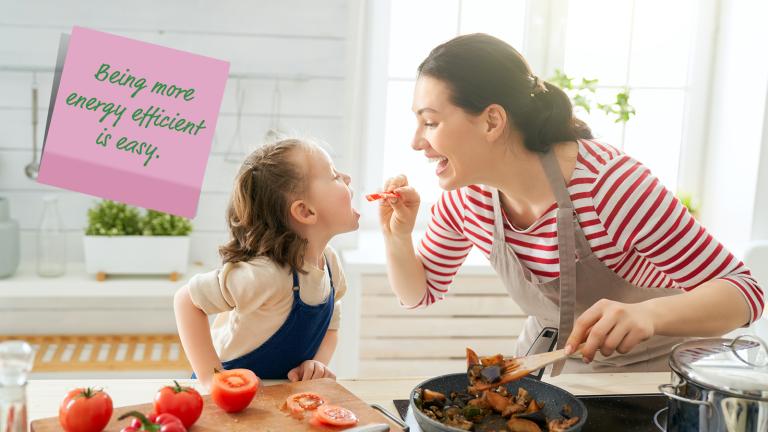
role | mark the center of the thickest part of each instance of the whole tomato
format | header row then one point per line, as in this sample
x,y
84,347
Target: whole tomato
x,y
183,402
85,410
233,390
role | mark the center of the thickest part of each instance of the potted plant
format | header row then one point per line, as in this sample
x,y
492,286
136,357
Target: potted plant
x,y
119,239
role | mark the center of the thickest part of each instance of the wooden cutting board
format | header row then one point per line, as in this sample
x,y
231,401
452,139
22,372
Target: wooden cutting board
x,y
263,415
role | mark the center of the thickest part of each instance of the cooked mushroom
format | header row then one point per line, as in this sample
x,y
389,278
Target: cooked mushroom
x,y
522,398
512,409
562,425
496,401
534,406
431,396
522,425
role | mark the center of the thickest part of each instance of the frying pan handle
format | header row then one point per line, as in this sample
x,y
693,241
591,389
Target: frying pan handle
x,y
391,416
544,342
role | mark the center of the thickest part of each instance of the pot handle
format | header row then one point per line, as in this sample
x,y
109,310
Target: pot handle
x,y
391,416
669,391
756,340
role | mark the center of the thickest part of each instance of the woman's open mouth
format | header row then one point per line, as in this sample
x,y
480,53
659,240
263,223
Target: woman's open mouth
x,y
442,163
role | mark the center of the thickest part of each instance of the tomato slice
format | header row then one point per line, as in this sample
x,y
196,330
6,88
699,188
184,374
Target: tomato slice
x,y
335,415
233,390
305,401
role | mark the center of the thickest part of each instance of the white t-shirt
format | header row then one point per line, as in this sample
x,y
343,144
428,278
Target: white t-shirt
x,y
253,299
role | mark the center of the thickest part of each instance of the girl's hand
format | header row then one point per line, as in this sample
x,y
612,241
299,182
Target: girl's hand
x,y
308,370
611,326
398,215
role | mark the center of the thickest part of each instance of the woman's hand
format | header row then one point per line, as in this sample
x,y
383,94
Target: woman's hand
x,y
310,369
611,327
398,215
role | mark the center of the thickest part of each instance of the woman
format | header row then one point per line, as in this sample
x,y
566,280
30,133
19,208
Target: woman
x,y
584,237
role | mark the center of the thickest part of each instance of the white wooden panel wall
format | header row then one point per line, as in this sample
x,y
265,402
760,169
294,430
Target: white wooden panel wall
x,y
301,43
396,342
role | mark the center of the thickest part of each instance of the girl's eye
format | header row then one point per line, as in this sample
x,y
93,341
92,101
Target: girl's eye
x,y
430,125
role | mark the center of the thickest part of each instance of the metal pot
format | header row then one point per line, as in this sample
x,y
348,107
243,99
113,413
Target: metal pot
x,y
718,385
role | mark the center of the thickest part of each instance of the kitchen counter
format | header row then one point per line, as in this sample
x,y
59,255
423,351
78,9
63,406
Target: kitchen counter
x,y
44,396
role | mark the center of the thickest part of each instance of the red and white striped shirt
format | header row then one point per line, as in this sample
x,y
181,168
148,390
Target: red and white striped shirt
x,y
634,225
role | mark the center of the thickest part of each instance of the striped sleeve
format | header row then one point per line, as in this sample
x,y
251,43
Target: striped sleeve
x,y
444,246
642,216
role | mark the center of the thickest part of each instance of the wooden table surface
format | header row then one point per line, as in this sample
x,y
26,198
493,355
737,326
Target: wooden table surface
x,y
44,396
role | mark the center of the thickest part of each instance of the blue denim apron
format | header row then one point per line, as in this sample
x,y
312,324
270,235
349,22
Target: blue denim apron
x,y
297,340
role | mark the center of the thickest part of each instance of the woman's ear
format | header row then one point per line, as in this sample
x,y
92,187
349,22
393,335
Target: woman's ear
x,y
303,213
495,121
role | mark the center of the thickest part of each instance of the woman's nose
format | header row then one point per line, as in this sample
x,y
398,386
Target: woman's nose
x,y
418,142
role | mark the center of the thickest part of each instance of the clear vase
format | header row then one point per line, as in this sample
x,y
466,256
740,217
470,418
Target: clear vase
x,y
16,358
51,242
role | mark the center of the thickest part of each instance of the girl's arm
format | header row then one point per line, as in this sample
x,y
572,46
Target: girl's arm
x,y
327,347
195,334
318,366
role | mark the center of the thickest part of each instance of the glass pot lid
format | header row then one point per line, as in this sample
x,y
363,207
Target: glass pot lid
x,y
737,366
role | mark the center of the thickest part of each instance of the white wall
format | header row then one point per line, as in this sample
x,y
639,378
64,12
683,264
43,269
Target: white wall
x,y
304,43
731,197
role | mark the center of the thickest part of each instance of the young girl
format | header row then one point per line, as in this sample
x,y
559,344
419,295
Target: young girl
x,y
277,293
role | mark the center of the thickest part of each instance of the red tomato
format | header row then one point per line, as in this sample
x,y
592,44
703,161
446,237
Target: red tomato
x,y
161,423
183,402
233,390
336,416
85,410
307,401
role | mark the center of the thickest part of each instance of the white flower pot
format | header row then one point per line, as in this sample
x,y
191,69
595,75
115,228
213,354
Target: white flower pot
x,y
136,254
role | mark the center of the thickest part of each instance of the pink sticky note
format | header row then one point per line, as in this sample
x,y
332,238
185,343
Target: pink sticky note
x,y
154,154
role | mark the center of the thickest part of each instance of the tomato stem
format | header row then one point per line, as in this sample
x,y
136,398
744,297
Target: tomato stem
x,y
146,425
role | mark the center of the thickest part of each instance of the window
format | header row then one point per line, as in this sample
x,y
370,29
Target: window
x,y
632,44
622,43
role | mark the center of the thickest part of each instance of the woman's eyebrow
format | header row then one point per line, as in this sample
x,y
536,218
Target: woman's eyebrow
x,y
426,109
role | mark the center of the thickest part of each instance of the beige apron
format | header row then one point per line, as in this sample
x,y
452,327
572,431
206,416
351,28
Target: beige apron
x,y
583,280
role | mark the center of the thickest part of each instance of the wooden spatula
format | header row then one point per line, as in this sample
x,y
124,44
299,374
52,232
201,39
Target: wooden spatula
x,y
522,366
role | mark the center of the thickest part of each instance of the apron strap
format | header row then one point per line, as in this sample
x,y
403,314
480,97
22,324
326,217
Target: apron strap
x,y
566,216
295,281
498,219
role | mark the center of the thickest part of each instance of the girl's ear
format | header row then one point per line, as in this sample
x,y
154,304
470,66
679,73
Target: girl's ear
x,y
495,121
303,213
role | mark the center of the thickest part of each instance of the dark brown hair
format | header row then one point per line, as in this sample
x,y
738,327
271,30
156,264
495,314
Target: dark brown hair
x,y
258,215
481,70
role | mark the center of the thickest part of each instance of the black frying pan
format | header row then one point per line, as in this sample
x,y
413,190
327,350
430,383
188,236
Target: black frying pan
x,y
554,398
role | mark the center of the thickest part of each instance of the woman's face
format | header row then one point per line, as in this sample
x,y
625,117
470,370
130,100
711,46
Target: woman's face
x,y
449,137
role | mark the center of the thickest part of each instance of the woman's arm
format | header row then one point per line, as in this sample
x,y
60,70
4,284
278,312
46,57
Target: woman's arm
x,y
642,217
404,270
713,308
398,216
195,335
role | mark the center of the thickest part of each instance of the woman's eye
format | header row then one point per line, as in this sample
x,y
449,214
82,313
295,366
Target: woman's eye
x,y
430,125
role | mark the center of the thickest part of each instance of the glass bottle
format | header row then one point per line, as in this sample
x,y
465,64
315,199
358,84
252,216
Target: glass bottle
x,y
51,242
16,358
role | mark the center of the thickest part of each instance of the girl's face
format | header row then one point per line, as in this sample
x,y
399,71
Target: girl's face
x,y
449,136
330,194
